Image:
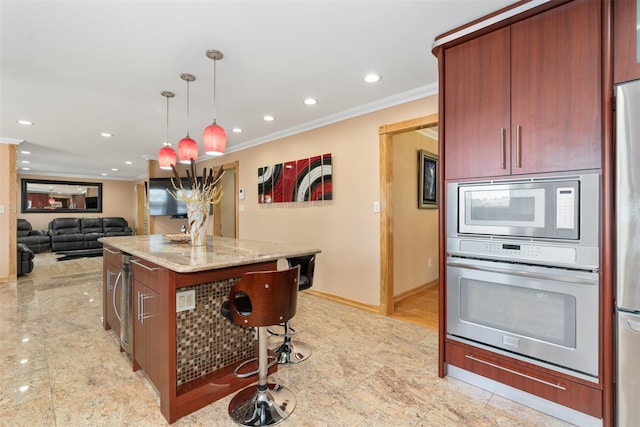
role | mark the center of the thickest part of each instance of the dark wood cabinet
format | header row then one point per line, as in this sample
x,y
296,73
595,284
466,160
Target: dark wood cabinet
x,y
477,107
526,98
566,390
626,53
112,287
150,313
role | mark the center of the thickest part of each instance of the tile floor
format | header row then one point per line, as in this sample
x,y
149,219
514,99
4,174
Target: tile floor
x,y
58,367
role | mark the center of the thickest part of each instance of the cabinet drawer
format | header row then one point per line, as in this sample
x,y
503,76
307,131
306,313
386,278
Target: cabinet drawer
x,y
112,256
146,272
529,378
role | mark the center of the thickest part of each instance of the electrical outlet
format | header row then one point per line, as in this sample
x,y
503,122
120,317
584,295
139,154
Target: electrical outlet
x,y
185,300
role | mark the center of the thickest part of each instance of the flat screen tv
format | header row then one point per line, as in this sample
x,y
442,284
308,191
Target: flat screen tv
x,y
161,203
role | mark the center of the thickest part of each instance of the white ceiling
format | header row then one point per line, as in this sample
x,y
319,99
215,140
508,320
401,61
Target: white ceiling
x,y
78,68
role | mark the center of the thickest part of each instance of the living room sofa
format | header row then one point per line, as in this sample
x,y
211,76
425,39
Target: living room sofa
x,y
36,240
25,259
72,234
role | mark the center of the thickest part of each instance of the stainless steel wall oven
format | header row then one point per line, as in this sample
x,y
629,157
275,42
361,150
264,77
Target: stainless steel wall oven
x,y
522,269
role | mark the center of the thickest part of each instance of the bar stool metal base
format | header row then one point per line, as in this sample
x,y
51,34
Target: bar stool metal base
x,y
254,407
289,352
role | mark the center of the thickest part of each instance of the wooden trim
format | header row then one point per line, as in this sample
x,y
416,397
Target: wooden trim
x,y
13,223
385,133
607,323
345,301
411,292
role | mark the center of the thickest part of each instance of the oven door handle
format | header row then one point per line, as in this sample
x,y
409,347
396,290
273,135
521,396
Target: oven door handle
x,y
528,274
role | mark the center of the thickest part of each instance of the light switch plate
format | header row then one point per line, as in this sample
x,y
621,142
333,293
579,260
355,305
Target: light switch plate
x,y
1,209
185,300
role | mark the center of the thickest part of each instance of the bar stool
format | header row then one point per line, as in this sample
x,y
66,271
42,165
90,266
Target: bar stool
x,y
289,351
261,299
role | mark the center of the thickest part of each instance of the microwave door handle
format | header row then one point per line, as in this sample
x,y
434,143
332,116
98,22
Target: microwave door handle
x,y
527,274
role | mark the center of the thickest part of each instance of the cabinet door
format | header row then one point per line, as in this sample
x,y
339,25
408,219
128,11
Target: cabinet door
x,y
556,90
626,40
477,107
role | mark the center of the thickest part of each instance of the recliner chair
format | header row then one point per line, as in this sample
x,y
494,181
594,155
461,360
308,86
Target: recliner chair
x,y
25,259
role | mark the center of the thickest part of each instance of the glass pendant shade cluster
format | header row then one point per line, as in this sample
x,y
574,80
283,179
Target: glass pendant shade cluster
x,y
214,136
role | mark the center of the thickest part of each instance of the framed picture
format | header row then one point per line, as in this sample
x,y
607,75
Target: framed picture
x,y
427,180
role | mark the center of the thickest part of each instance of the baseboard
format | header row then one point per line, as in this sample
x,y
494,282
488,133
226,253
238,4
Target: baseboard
x,y
412,292
346,301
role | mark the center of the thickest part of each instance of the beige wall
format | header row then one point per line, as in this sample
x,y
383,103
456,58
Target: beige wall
x,y
415,231
118,199
346,229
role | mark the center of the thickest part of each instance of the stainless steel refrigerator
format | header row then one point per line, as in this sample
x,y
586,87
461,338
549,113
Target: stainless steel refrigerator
x,y
628,253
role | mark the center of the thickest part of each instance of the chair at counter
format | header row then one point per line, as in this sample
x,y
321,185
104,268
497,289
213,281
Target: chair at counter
x,y
262,299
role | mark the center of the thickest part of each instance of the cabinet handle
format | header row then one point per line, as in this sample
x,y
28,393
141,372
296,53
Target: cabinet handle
x,y
141,313
475,359
115,286
109,274
518,147
144,266
502,158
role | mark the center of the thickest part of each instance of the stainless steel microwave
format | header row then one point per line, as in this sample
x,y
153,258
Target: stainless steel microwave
x,y
559,208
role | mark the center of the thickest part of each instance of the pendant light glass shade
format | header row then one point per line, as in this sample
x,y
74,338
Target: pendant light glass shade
x,y
166,155
187,147
214,138
187,150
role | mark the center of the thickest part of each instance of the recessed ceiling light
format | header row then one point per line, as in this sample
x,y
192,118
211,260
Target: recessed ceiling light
x,y
114,169
26,169
128,163
371,78
106,134
310,101
26,161
103,174
268,118
24,122
25,152
236,130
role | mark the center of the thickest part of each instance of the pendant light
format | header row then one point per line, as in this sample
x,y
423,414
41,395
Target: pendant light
x,y
167,155
214,137
187,147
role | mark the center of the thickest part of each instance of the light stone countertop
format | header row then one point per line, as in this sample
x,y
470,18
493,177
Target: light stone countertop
x,y
220,252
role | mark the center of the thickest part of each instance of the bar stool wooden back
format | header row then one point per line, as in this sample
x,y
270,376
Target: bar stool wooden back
x,y
282,343
261,299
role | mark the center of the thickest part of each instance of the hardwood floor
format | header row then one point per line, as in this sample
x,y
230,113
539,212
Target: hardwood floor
x,y
419,309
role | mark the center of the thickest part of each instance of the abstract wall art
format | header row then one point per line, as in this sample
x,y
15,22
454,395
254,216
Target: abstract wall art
x,y
302,180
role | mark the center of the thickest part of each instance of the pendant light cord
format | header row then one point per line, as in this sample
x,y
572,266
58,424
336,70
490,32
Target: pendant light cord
x,y
215,113
188,114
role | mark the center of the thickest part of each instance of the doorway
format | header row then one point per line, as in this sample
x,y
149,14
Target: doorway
x,y
225,213
387,211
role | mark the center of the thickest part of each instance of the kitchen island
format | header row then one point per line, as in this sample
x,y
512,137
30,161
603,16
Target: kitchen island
x,y
179,338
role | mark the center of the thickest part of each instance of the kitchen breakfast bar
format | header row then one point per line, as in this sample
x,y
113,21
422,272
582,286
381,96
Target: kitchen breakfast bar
x,y
163,299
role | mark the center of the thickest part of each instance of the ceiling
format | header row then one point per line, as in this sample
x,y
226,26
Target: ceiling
x,y
79,68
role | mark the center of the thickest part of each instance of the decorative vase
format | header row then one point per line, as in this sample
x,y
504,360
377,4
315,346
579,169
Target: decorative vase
x,y
198,215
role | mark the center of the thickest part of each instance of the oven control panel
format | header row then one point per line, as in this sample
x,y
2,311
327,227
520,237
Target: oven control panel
x,y
519,251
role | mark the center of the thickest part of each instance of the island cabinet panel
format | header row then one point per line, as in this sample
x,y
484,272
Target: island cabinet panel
x,y
566,390
150,321
626,49
526,98
111,289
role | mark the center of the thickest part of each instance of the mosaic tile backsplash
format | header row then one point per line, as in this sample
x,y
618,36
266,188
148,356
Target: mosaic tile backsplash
x,y
207,341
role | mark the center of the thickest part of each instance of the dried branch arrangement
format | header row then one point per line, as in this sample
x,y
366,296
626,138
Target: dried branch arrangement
x,y
208,191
